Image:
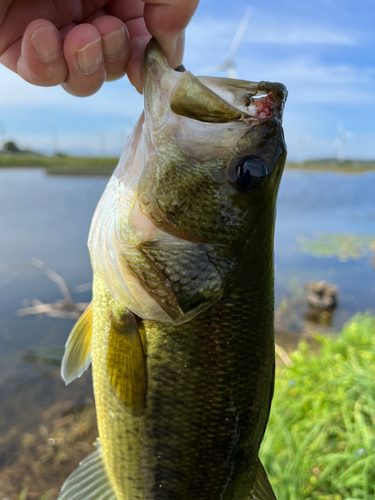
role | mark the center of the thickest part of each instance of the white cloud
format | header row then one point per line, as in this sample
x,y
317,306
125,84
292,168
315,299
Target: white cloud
x,y
107,142
218,34
116,99
310,132
302,70
299,35
310,81
305,147
96,125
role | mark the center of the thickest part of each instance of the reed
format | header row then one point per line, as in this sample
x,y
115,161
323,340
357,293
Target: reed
x,y
23,495
320,441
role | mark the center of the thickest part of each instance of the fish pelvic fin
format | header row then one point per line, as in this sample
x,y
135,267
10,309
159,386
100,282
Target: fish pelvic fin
x,y
77,356
262,490
89,481
126,363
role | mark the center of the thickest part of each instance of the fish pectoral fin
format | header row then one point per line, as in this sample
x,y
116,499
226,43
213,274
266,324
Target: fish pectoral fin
x,y
89,481
262,490
77,356
126,363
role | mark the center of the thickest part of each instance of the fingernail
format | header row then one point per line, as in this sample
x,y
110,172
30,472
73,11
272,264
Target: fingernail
x,y
114,45
173,48
179,49
46,44
89,57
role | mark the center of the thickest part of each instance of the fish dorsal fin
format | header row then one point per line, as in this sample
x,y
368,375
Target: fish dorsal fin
x,y
77,356
262,490
89,481
126,363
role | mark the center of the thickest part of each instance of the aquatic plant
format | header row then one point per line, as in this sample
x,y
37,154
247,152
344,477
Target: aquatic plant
x,y
342,246
23,495
319,444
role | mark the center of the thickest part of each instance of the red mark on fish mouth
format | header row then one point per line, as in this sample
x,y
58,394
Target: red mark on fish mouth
x,y
268,102
264,106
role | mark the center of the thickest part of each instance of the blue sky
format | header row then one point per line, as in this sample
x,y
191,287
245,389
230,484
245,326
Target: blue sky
x,y
322,50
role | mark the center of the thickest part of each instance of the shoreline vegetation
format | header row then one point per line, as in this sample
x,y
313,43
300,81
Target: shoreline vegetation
x,y
319,443
61,164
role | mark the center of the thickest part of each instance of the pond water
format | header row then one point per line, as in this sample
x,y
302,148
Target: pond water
x,y
48,218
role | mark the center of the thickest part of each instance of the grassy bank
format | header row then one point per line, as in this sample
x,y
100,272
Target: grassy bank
x,y
354,167
79,165
319,444
62,165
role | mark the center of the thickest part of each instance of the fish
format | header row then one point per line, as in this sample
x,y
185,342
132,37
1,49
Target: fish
x,y
180,331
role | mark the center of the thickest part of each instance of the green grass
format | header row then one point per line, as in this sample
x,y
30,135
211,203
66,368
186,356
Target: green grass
x,y
80,165
62,165
348,166
23,495
320,441
340,245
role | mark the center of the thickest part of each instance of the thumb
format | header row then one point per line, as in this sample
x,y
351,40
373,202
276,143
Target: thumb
x,y
166,21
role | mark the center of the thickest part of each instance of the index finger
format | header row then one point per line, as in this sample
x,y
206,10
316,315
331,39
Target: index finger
x,y
166,20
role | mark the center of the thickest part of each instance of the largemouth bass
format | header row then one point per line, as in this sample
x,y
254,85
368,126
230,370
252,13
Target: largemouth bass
x,y
180,330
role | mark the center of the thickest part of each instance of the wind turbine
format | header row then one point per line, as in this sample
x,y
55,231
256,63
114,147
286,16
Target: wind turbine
x,y
339,141
228,63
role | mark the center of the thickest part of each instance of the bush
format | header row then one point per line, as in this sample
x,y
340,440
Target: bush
x,y
11,146
320,441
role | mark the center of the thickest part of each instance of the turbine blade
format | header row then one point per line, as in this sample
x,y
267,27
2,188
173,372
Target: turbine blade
x,y
231,70
239,35
214,69
345,134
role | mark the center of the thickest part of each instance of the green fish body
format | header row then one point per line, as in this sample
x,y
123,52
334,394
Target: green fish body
x,y
180,330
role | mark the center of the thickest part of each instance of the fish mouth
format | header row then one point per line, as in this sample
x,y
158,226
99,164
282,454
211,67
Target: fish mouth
x,y
206,98
256,100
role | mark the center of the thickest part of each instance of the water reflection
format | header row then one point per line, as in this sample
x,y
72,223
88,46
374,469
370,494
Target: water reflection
x,y
45,356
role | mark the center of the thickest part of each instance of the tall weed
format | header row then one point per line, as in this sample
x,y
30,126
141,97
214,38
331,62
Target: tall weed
x,y
320,441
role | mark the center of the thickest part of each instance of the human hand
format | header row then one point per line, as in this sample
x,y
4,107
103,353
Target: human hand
x,y
81,43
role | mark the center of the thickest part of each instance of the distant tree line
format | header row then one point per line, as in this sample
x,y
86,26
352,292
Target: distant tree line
x,y
12,147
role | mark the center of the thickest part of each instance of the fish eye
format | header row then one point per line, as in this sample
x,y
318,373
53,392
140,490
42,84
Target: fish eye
x,y
250,172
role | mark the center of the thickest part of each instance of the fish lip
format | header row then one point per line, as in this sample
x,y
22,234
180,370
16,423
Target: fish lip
x,y
270,104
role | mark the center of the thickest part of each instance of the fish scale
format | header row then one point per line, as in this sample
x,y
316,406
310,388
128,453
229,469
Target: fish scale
x,y
201,410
